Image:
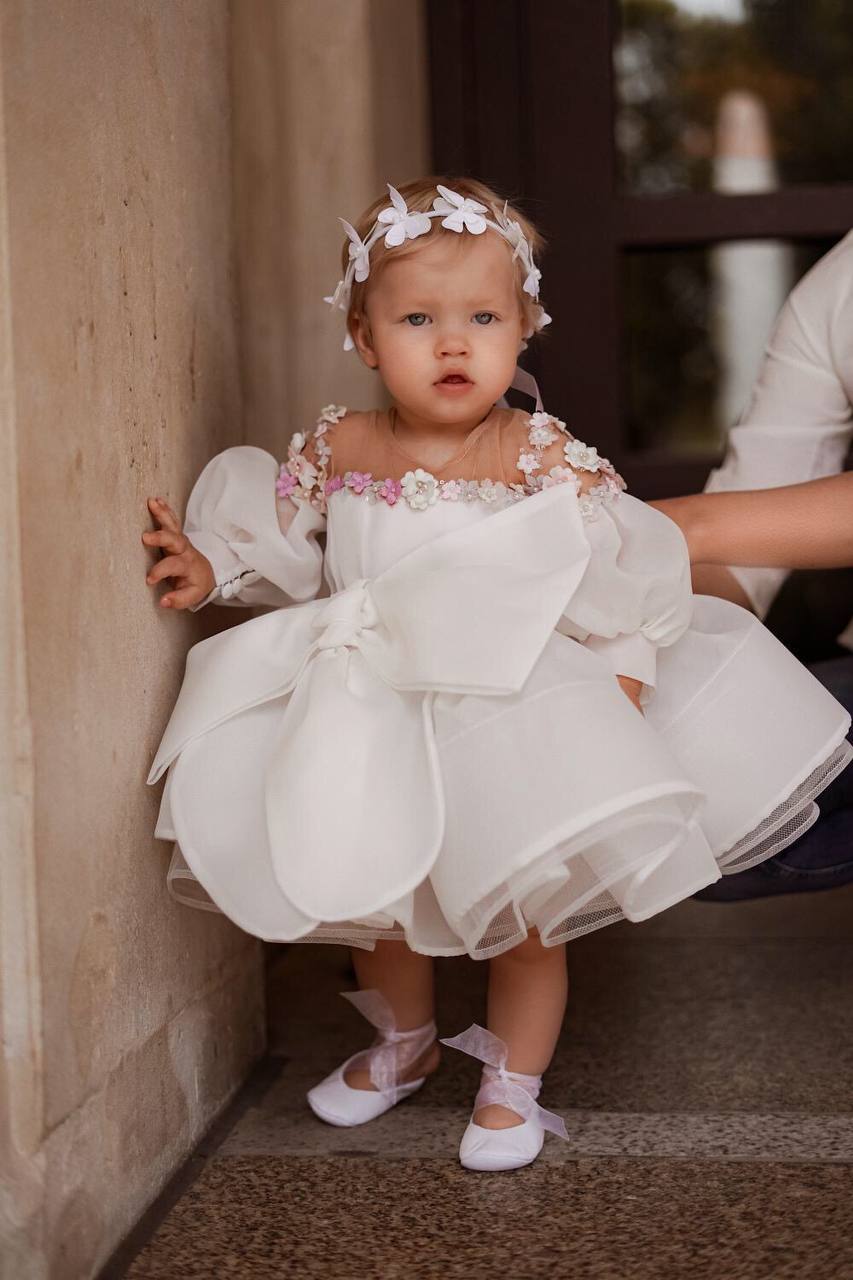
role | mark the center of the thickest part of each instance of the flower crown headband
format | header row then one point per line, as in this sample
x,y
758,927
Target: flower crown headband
x,y
458,213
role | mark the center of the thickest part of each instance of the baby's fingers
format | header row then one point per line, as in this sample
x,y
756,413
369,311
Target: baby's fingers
x,y
183,598
164,515
168,567
166,538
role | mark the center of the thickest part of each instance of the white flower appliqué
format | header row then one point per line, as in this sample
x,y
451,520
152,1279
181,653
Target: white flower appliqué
x,y
541,434
305,471
585,456
420,489
528,463
461,213
492,490
404,225
561,475
332,413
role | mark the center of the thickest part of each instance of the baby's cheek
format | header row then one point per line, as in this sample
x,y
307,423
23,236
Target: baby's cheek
x,y
402,363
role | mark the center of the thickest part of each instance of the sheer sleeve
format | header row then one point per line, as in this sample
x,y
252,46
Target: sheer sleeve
x,y
636,595
260,537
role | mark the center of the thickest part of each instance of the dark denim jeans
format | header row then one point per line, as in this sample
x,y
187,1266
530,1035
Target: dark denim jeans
x,y
822,858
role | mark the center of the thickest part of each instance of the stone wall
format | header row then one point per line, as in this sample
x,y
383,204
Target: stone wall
x,y
128,1020
170,179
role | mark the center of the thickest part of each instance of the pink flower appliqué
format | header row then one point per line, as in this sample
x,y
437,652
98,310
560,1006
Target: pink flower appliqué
x,y
285,484
358,480
561,475
390,490
332,486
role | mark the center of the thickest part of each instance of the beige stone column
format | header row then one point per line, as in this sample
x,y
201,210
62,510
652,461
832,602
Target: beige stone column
x,y
128,1020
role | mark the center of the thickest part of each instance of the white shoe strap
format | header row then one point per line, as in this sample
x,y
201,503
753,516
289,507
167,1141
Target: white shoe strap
x,y
510,1089
393,1051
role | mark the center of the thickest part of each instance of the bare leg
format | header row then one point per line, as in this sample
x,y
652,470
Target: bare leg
x,y
406,980
528,988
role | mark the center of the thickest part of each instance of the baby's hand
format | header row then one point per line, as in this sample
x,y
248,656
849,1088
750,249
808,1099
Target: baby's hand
x,y
632,688
191,571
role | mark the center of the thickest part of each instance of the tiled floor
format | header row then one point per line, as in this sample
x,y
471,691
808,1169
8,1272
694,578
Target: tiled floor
x,y
706,1077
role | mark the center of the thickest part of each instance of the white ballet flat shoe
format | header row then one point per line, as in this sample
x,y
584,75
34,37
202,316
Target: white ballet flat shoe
x,y
490,1150
493,1149
338,1103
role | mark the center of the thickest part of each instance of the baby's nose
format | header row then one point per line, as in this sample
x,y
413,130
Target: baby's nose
x,y
452,344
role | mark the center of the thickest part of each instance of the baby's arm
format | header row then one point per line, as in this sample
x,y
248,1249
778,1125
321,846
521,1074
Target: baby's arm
x,y
553,457
795,526
191,571
633,688
262,547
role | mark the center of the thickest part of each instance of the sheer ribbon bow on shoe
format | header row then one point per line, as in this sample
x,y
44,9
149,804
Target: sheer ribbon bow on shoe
x,y
386,1060
487,1149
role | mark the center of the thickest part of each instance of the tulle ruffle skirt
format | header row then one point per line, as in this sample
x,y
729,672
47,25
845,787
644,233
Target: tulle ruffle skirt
x,y
565,809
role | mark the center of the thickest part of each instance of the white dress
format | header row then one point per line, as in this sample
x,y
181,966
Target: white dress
x,y
423,737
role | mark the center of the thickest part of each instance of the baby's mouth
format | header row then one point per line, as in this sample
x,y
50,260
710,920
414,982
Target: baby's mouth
x,y
453,379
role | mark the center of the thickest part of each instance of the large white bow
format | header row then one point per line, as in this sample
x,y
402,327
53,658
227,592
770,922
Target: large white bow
x,y
354,802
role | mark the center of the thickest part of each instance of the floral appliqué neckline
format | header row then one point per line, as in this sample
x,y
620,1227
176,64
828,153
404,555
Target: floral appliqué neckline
x,y
419,489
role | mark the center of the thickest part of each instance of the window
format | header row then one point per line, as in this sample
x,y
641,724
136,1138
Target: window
x,y
687,161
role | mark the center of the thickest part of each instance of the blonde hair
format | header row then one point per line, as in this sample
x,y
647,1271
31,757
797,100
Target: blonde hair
x,y
419,195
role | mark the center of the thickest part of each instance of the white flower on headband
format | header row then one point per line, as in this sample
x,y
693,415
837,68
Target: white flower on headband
x,y
340,298
458,214
521,249
359,254
513,232
462,213
404,225
531,284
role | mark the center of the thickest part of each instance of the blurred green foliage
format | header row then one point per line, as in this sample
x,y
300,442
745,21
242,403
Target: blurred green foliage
x,y
673,68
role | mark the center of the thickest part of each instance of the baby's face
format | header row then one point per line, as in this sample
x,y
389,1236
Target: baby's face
x,y
450,307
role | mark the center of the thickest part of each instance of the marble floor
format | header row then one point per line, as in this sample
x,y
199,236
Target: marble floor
x,y
705,1074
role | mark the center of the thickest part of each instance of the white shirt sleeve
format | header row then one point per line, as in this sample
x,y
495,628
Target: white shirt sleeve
x,y
798,423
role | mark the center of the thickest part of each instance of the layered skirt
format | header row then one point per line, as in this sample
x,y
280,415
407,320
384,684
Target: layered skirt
x,y
559,807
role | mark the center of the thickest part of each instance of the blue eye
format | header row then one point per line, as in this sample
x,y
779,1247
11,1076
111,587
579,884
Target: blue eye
x,y
416,318
490,315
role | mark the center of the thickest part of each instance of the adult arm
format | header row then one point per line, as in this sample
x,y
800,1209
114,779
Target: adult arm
x,y
798,526
797,425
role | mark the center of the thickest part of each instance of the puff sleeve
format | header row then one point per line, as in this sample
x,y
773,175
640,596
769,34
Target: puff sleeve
x,y
636,594
263,549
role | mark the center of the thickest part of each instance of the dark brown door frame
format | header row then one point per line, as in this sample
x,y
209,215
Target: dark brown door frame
x,y
522,97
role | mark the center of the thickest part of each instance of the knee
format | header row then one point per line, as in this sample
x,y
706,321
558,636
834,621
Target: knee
x,y
531,951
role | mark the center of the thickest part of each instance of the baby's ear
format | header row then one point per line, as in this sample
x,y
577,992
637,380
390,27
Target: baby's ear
x,y
363,339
